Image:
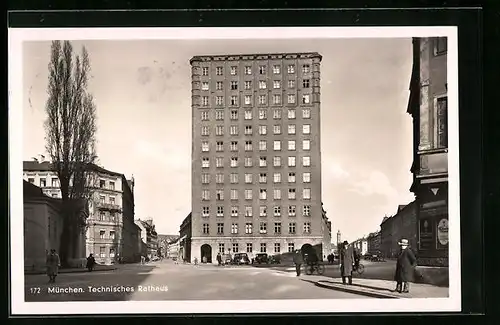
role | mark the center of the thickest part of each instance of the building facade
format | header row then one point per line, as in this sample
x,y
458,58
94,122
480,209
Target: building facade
x,y
361,245
174,249
256,162
402,225
327,235
110,231
374,243
185,233
149,237
428,106
163,242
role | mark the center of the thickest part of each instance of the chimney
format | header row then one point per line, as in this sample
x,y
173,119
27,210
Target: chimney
x,y
35,159
42,158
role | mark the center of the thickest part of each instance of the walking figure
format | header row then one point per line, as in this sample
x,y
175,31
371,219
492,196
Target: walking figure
x,y
53,263
346,262
298,260
90,262
405,267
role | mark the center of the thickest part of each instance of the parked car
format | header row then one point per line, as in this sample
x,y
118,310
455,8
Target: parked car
x,y
261,258
241,258
226,259
275,259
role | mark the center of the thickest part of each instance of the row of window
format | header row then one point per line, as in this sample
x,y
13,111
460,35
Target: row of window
x,y
233,145
292,228
111,199
233,70
234,129
102,234
248,114
102,252
234,161
263,100
234,178
249,248
292,210
233,84
111,217
55,183
292,194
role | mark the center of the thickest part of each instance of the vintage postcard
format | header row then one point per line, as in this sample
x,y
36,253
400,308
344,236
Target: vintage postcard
x,y
234,170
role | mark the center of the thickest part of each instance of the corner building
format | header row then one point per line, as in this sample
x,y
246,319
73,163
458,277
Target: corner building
x,y
256,161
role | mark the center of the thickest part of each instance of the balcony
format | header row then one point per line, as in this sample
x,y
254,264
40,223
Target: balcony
x,y
108,206
433,163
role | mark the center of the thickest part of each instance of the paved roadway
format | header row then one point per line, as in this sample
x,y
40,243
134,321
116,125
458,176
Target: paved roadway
x,y
184,282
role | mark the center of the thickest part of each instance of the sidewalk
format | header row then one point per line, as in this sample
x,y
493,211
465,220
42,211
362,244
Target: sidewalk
x,y
98,268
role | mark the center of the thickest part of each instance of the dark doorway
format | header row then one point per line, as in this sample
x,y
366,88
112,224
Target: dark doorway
x,y
206,253
307,249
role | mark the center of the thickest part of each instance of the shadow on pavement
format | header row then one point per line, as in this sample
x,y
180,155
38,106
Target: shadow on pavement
x,y
363,286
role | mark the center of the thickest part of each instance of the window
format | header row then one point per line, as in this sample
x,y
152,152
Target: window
x,y
277,145
248,145
276,99
234,230
276,69
204,100
306,129
218,71
306,68
220,230
248,194
249,248
220,211
306,161
219,85
277,114
263,247
262,69
277,129
277,211
306,144
262,129
248,211
204,116
305,99
262,84
205,211
291,161
102,199
263,211
276,84
442,124
102,234
219,195
277,227
219,146
219,130
440,45
234,70
306,177
263,227
233,178
307,227
305,83
277,247
248,129
204,146
291,68
248,70
262,161
234,161
102,216
306,193
291,194
235,246
248,162
291,247
291,99
234,196
234,146
219,114
112,234
262,114
277,177
263,194
306,211
248,115
277,161
262,178
248,178
262,99
219,162
306,113
248,101
219,100
206,228
291,114
204,71
234,114
291,83
234,100
205,162
291,144
205,195
102,251
248,85
291,227
102,183
262,145
291,129
221,248
277,194
204,85
205,178
43,182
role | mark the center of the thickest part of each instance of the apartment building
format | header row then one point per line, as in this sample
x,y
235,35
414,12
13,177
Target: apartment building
x,y
256,161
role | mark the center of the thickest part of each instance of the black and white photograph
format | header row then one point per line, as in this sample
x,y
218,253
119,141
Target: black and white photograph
x,y
210,170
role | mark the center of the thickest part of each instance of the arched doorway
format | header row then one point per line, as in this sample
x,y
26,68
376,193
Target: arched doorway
x,y
206,251
307,249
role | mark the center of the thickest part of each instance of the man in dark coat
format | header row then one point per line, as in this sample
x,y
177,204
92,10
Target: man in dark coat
x,y
346,262
219,259
90,262
405,267
298,260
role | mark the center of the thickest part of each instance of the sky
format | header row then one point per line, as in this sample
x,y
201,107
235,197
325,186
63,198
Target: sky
x,y
142,90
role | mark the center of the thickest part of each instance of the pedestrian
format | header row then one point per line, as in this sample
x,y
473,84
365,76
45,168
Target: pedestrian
x,y
90,262
405,267
298,260
346,262
53,263
219,259
143,259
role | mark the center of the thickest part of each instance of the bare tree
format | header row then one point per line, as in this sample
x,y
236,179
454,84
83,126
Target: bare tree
x,y
71,137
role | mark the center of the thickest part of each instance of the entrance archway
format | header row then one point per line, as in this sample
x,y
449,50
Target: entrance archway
x,y
206,251
307,249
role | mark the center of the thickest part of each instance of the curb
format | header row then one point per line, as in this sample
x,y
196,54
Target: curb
x,y
358,292
69,271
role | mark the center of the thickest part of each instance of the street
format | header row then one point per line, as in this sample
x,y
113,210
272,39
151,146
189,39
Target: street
x,y
168,281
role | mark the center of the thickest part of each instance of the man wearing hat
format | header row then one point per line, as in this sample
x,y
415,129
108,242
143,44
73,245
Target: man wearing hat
x,y
405,267
298,260
346,262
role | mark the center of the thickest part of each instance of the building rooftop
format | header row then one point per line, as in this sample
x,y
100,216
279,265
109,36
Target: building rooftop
x,y
255,56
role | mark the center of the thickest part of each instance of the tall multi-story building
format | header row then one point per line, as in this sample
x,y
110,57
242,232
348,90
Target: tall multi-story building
x,y
428,106
149,237
256,162
111,232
